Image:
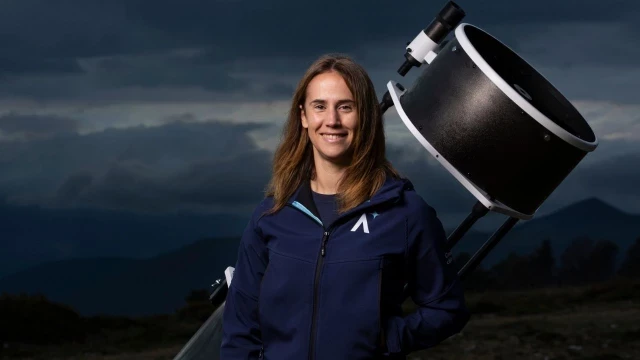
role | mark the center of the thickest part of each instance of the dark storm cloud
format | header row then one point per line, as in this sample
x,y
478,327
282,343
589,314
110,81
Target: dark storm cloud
x,y
235,180
171,70
176,75
73,186
55,34
181,69
134,168
31,29
622,168
256,28
20,66
614,180
36,125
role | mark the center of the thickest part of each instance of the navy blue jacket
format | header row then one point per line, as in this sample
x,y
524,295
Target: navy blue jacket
x,y
307,290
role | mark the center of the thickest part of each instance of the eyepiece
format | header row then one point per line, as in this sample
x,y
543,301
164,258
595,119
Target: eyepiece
x,y
451,14
449,17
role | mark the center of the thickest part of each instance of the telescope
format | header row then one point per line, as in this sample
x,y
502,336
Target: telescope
x,y
497,126
500,128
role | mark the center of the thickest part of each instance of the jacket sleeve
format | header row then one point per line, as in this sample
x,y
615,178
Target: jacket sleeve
x,y
241,338
434,287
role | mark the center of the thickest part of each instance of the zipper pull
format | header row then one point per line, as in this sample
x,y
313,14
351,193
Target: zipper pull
x,y
324,243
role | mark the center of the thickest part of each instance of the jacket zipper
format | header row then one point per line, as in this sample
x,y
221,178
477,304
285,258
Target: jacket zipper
x,y
316,279
316,285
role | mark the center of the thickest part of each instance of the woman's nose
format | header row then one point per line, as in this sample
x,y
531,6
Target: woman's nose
x,y
333,118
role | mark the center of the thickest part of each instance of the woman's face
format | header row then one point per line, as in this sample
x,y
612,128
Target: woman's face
x,y
330,116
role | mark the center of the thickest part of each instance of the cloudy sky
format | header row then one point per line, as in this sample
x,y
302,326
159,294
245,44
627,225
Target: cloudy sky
x,y
165,105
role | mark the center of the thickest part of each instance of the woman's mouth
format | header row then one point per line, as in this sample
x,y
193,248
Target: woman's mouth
x,y
333,137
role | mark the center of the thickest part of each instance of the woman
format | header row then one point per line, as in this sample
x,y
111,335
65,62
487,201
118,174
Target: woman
x,y
322,265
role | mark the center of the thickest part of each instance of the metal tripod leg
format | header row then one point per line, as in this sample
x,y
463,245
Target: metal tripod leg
x,y
478,211
487,247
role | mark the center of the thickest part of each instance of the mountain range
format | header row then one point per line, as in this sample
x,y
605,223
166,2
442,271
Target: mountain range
x,y
130,287
32,235
94,283
591,217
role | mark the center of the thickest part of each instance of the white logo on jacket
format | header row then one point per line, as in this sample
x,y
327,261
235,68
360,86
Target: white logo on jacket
x,y
362,221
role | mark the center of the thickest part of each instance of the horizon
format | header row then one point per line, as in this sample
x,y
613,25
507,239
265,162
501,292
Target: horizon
x,y
596,205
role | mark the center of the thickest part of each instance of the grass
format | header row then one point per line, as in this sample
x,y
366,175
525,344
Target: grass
x,y
602,332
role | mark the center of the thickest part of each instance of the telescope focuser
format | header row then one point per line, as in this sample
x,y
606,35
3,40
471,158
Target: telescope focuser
x,y
421,49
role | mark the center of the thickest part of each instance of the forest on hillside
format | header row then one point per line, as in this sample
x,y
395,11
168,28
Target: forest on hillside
x,y
584,261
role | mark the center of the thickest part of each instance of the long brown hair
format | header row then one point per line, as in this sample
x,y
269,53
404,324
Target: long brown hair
x,y
293,159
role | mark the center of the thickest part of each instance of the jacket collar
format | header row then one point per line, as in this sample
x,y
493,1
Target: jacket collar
x,y
304,196
390,190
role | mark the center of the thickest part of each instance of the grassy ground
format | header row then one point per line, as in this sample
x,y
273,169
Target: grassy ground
x,y
590,332
597,322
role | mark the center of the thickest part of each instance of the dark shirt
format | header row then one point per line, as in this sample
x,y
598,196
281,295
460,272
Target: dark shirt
x,y
327,207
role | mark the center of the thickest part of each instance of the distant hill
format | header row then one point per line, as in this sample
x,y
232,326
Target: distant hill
x,y
591,217
31,235
159,283
156,285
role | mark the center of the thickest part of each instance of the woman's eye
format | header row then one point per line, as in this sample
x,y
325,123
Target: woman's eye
x,y
341,107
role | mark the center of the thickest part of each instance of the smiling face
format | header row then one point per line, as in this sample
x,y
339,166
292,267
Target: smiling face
x,y
330,117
